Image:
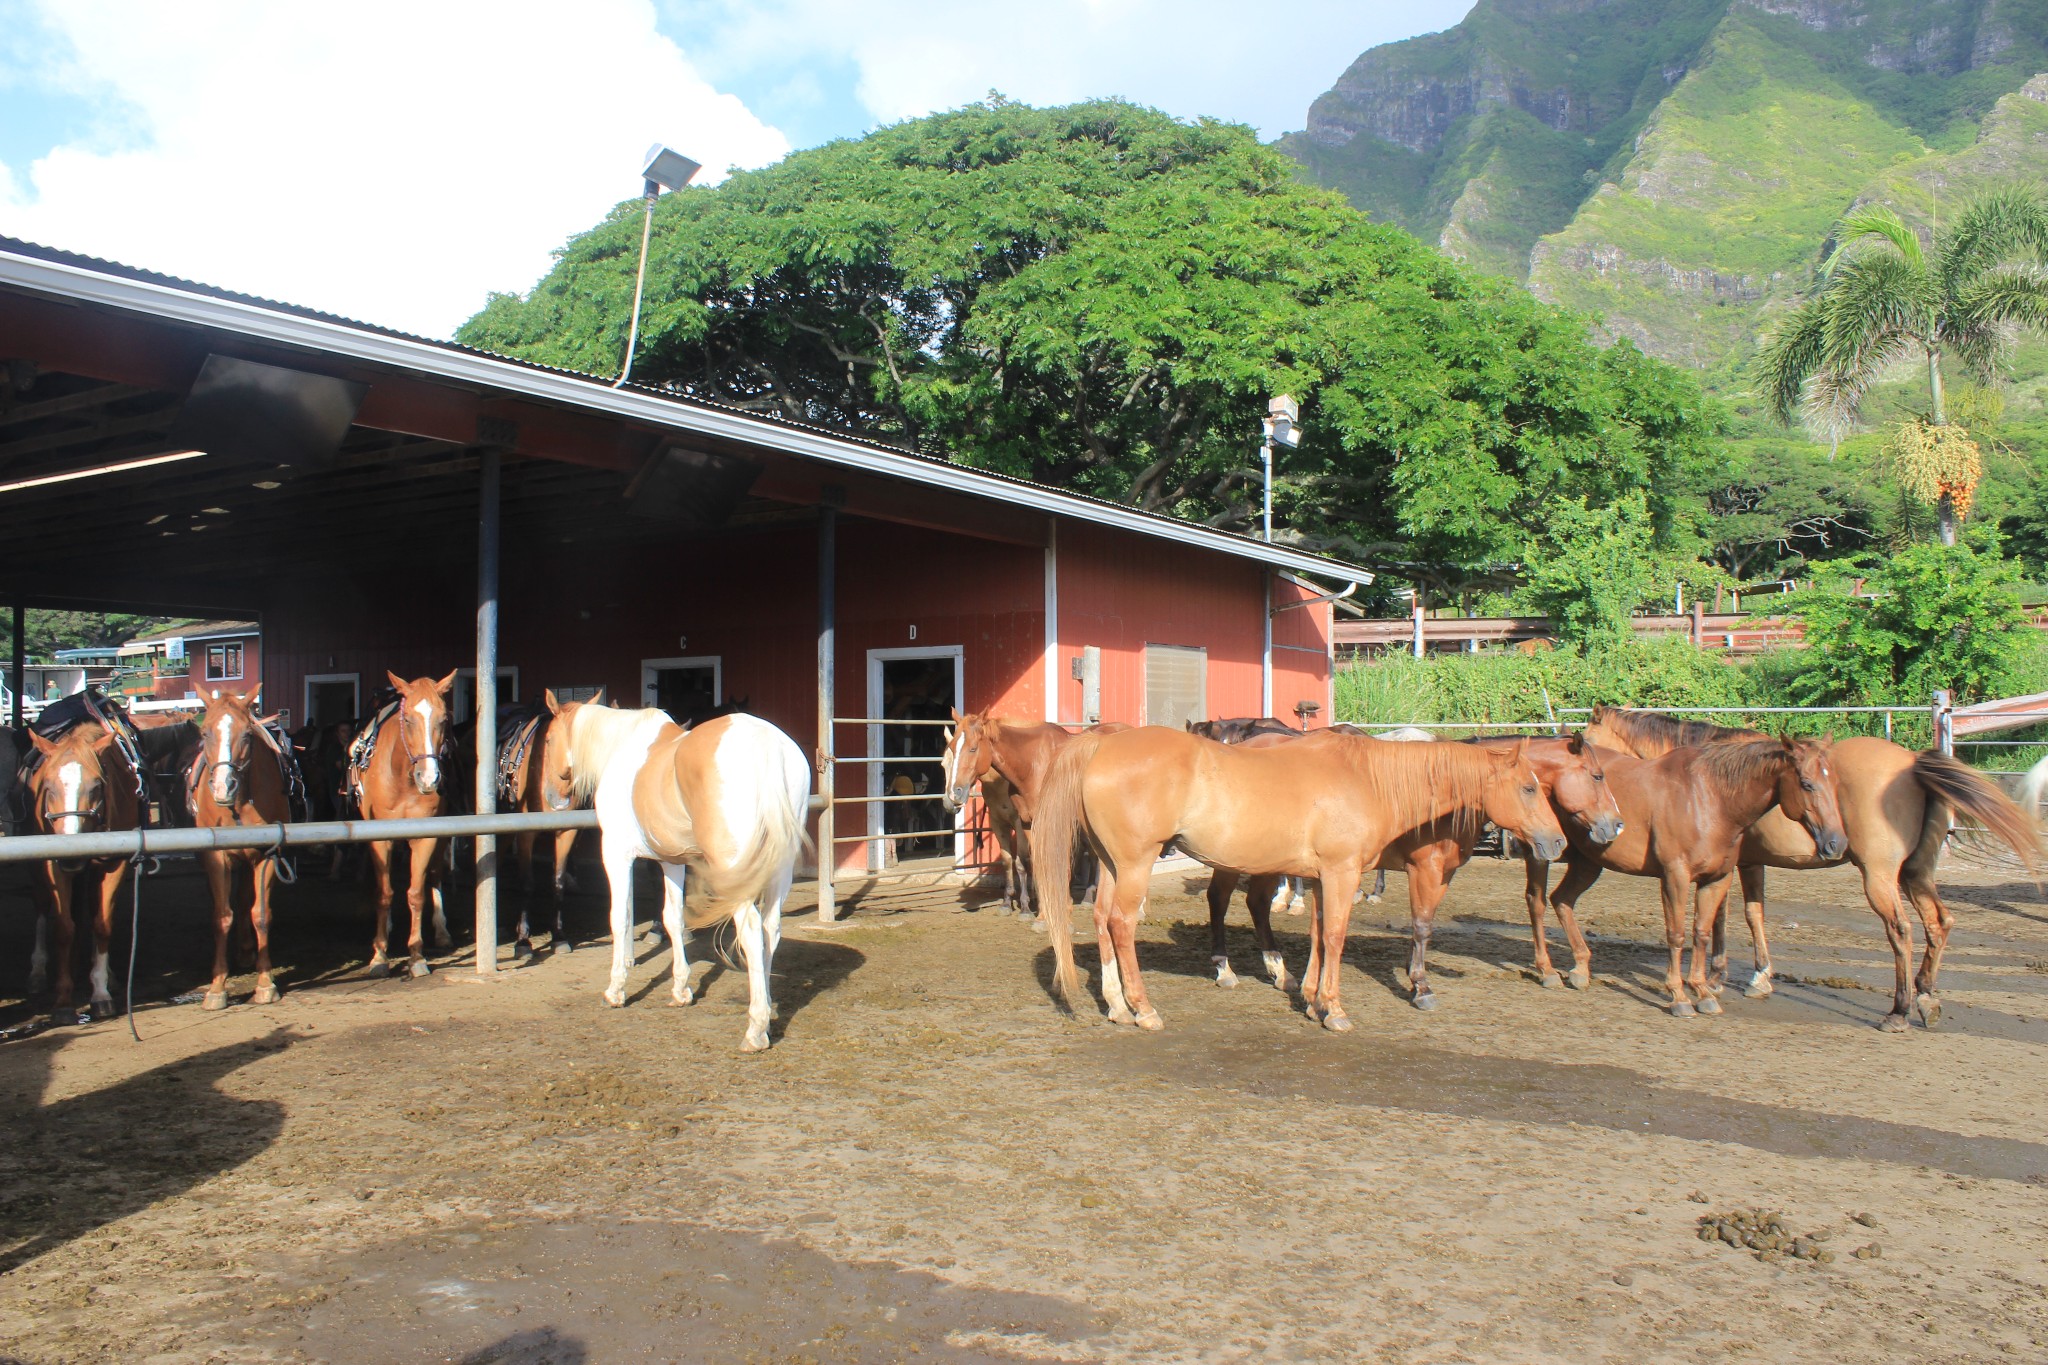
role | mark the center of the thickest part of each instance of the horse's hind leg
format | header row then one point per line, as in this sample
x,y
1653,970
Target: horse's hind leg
x,y
522,858
437,875
1119,1009
1258,898
380,898
753,943
1429,878
1760,981
1881,889
1675,890
1917,879
1133,882
1577,880
39,956
565,844
674,885
1222,885
1379,886
220,882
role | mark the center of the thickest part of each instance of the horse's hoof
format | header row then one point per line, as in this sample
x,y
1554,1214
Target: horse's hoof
x,y
1038,925
1372,898
417,968
1758,989
1337,1023
521,950
1579,979
1930,1010
62,1016
1709,1005
755,1041
1425,1000
1120,1015
1552,981
1150,1021
683,997
1225,977
1894,1023
563,945
214,1000
379,967
1682,1009
615,998
266,995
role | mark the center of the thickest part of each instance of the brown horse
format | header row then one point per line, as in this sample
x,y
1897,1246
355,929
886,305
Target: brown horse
x,y
85,784
238,779
1896,808
1573,780
401,778
1683,820
519,788
1010,759
1324,808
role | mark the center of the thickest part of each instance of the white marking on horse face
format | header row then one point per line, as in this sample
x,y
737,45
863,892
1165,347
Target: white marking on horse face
x,y
223,756
430,762
70,779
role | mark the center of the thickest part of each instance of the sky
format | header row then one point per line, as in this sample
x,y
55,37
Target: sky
x,y
399,161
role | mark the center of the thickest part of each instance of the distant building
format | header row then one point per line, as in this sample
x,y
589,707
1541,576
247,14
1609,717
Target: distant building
x,y
185,662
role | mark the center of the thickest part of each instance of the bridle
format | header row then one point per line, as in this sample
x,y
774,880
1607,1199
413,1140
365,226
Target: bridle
x,y
96,812
413,760
956,748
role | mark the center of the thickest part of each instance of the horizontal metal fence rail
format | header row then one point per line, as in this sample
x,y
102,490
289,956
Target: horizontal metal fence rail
x,y
134,843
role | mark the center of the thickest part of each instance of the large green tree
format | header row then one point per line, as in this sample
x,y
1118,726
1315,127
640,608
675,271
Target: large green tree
x,y
1102,297
1885,296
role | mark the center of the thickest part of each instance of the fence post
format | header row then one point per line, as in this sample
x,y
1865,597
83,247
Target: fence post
x,y
828,647
1944,722
487,537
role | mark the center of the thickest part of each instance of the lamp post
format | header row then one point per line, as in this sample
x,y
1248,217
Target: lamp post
x,y
1283,426
665,170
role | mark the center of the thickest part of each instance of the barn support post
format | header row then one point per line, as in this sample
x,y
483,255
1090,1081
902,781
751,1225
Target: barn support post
x,y
828,643
487,706
18,667
1944,722
1266,653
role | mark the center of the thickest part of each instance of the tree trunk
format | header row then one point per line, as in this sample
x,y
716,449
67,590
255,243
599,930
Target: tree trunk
x,y
1944,510
1945,519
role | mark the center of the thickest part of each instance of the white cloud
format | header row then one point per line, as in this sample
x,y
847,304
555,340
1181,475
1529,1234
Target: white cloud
x,y
394,161
1253,64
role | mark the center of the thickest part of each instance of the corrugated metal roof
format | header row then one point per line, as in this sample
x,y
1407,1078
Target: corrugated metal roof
x,y
39,269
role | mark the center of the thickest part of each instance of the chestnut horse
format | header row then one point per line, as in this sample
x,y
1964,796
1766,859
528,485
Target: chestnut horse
x,y
1324,808
1896,806
726,798
401,778
1571,775
519,789
1684,817
1010,758
85,784
238,779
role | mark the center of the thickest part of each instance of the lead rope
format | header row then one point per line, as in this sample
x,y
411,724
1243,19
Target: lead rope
x,y
134,937
133,756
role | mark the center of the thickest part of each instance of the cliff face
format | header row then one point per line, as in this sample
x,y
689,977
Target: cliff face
x,y
1674,165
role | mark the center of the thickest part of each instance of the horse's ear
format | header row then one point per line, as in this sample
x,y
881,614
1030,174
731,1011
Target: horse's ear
x,y
447,684
1575,743
44,747
252,696
554,707
956,714
597,698
396,681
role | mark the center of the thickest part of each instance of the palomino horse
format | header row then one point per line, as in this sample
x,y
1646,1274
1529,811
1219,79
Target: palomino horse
x,y
1324,808
238,779
1895,807
1573,781
400,778
1683,820
726,799
85,784
519,788
1010,759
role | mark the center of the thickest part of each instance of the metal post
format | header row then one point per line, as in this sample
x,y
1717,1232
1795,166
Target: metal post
x,y
19,654
1266,658
1944,722
487,709
1266,452
1419,650
828,623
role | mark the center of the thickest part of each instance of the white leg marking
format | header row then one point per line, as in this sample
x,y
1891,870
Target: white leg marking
x,y
673,878
753,941
1276,969
100,977
618,870
1113,987
1224,976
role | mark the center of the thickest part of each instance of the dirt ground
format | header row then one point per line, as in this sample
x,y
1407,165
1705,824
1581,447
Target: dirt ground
x,y
934,1164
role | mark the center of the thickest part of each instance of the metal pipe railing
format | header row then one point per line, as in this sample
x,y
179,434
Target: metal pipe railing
x,y
133,843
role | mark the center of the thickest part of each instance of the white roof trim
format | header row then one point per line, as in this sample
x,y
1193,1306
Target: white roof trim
x,y
179,305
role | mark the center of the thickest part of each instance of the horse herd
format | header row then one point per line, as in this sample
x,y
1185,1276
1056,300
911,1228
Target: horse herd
x,y
1696,807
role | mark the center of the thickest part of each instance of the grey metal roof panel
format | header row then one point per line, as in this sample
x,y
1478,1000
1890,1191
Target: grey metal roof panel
x,y
34,268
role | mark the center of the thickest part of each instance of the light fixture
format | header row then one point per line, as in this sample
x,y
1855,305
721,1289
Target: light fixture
x,y
95,471
1283,425
214,511
266,484
665,170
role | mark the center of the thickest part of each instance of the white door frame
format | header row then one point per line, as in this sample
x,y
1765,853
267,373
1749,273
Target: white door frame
x,y
469,674
354,680
714,662
876,701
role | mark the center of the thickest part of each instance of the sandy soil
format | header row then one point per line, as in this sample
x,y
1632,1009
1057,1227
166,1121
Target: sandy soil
x,y
934,1164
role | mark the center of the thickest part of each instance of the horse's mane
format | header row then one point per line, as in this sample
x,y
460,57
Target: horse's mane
x,y
1415,779
595,734
1735,764
1655,728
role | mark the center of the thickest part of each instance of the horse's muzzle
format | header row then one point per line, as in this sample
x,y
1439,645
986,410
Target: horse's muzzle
x,y
1549,847
1832,843
1605,831
953,798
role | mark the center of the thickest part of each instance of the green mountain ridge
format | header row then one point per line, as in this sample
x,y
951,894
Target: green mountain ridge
x,y
1674,166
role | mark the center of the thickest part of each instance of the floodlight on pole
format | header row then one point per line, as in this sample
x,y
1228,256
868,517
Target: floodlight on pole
x,y
1283,426
665,170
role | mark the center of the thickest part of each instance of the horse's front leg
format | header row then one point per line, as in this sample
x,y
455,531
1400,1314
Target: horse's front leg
x,y
220,881
1222,885
1753,910
380,900
1710,909
1578,878
63,887
1259,896
1429,878
39,956
103,940
618,872
1675,890
674,887
416,897
1333,896
263,872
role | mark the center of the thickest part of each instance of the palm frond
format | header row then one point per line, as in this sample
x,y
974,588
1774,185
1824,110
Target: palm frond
x,y
1874,222
1984,314
2004,225
1871,301
1834,393
1791,354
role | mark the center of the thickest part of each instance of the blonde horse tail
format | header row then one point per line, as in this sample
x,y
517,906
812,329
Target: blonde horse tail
x,y
779,811
1950,784
1054,827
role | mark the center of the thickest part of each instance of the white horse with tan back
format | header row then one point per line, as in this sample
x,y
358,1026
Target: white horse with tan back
x,y
726,799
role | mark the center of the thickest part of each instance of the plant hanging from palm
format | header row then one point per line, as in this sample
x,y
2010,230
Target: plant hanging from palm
x,y
1886,297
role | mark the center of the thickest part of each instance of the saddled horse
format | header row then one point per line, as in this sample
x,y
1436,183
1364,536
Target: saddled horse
x,y
85,783
726,799
239,778
1573,781
1895,806
401,776
519,789
1237,729
1683,821
1324,808
1010,759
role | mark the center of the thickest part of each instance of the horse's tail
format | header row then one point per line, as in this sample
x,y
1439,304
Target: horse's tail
x,y
776,807
1950,784
2035,785
1054,826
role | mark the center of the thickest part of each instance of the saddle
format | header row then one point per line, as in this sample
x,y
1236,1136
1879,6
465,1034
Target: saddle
x,y
384,704
519,731
298,804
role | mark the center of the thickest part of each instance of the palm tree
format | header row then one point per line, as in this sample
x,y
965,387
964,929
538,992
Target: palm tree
x,y
1885,297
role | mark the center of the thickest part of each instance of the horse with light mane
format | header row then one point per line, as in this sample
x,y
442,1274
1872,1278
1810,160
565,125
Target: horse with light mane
x,y
1325,809
520,789
238,779
1895,812
726,799
84,784
401,777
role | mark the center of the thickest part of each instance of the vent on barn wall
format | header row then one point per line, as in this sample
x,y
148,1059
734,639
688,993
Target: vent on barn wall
x,y
696,490
264,414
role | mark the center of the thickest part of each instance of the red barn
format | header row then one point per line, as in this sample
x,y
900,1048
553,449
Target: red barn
x,y
167,446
